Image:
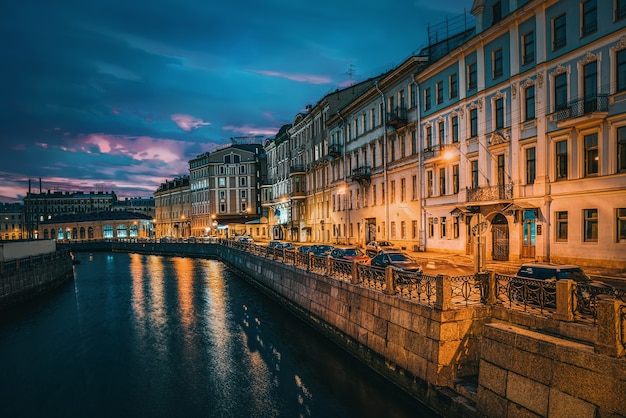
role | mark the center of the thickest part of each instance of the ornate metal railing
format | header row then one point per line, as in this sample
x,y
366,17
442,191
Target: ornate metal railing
x,y
371,276
490,193
530,294
466,289
416,286
581,107
341,269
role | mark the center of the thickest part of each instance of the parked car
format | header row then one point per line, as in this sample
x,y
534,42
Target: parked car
x,y
280,245
374,247
533,293
305,249
322,250
398,259
350,254
244,239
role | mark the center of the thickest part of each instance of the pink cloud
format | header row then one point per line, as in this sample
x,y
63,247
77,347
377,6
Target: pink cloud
x,y
138,148
41,144
188,123
249,130
301,78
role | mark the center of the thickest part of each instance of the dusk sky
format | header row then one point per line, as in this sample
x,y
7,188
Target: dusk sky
x,y
120,95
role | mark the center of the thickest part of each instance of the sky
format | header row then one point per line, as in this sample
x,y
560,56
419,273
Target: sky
x,y
119,95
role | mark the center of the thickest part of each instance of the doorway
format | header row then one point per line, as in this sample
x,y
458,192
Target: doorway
x,y
500,238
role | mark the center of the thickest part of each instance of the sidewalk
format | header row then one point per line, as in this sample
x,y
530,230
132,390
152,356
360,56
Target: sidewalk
x,y
442,263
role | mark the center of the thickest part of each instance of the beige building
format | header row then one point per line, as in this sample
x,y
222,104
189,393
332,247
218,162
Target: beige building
x,y
11,221
172,204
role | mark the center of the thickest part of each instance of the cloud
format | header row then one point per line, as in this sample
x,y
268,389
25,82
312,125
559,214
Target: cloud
x,y
301,78
188,123
249,130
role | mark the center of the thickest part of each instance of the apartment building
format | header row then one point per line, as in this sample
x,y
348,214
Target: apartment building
x,y
172,204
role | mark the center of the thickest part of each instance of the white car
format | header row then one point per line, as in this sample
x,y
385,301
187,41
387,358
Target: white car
x,y
374,247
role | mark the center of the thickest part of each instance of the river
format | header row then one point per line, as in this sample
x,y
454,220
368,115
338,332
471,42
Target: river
x,y
152,336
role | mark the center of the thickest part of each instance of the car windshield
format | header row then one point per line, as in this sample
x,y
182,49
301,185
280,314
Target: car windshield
x,y
323,247
384,244
352,252
402,258
573,274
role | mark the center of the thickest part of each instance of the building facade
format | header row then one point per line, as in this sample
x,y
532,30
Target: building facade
x,y
39,207
172,202
144,205
11,221
98,225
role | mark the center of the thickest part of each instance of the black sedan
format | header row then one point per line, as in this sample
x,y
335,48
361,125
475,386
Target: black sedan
x,y
397,259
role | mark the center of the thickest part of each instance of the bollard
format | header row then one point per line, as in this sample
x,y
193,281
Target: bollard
x,y
328,266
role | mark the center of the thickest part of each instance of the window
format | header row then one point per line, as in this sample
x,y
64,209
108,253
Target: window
x,y
590,18
591,154
222,182
227,159
455,179
590,225
620,71
242,181
528,48
496,12
429,137
374,195
499,113
427,98
620,9
561,226
413,93
392,191
413,142
590,86
454,86
530,165
560,92
243,194
529,103
222,207
403,189
558,32
442,182
443,231
222,194
442,133
621,224
561,160
414,188
402,147
621,148
431,227
429,191
455,226
472,76
497,63
473,122
501,158
455,129
474,168
439,92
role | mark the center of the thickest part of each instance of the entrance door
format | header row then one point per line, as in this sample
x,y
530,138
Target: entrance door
x,y
529,233
370,230
500,238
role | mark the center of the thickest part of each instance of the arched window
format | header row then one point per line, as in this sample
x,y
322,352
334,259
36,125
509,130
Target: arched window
x,y
107,231
74,233
90,232
68,233
82,232
133,231
121,231
46,235
60,234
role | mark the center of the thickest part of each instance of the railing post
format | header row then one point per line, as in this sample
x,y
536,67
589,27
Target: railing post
x,y
354,279
611,327
443,292
311,259
564,300
328,258
389,285
490,284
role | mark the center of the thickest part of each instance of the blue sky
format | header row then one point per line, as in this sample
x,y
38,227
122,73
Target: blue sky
x,y
120,95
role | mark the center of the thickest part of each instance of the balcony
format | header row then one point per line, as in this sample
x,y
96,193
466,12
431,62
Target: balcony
x,y
397,117
362,174
490,193
334,150
298,168
585,109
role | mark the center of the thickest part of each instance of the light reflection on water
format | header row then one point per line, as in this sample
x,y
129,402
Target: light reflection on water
x,y
138,335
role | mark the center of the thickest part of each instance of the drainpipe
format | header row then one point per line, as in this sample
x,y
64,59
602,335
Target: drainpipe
x,y
420,171
384,119
345,174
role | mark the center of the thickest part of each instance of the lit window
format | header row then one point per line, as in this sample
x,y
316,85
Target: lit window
x,y
591,154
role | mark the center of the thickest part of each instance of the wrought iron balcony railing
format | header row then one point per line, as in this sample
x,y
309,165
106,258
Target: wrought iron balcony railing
x,y
490,193
361,173
581,107
334,150
397,117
